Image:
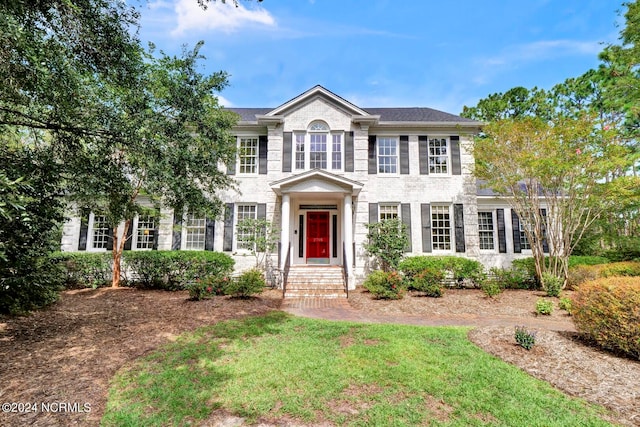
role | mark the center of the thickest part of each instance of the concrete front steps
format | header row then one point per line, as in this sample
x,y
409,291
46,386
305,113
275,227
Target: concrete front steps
x,y
315,282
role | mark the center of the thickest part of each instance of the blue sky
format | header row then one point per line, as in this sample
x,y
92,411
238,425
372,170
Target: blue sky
x,y
386,53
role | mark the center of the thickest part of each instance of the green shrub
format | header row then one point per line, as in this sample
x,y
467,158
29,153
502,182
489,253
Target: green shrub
x,y
84,269
525,338
565,304
552,284
576,260
544,307
582,274
174,270
249,283
515,277
385,285
608,311
208,287
387,241
576,263
491,288
462,271
428,281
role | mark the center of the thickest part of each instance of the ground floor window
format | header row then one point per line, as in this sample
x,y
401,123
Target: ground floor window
x,y
485,230
101,232
524,241
441,228
145,232
388,211
244,235
195,232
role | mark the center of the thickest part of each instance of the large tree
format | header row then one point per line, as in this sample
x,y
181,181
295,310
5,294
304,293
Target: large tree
x,y
173,137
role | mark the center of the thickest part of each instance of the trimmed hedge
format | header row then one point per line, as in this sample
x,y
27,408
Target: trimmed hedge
x,y
607,311
583,273
461,271
171,270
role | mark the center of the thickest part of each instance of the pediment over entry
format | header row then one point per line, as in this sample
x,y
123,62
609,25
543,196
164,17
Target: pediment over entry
x,y
316,181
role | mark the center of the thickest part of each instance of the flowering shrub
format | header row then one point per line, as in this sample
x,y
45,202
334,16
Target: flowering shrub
x,y
428,281
525,338
608,312
248,283
208,287
385,285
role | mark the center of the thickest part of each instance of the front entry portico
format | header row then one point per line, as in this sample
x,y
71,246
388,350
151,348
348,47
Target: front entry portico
x,y
317,219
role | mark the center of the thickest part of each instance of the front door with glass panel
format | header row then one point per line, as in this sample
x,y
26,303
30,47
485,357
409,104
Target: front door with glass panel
x,y
318,237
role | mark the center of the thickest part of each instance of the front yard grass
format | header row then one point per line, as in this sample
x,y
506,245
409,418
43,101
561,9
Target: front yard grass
x,y
282,367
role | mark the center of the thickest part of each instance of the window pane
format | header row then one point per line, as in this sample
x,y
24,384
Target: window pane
x,y
299,151
196,229
388,211
336,159
387,155
438,156
524,241
244,212
485,228
441,228
248,153
318,151
101,232
146,232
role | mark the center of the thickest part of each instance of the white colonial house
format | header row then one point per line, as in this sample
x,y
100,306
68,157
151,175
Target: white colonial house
x,y
320,168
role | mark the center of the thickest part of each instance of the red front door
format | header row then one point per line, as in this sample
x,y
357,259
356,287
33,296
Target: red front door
x,y
317,235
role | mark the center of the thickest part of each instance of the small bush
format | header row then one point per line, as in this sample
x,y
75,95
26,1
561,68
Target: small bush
x,y
544,307
461,271
525,338
491,288
385,285
249,283
565,304
608,311
582,273
552,284
208,287
428,281
512,278
84,269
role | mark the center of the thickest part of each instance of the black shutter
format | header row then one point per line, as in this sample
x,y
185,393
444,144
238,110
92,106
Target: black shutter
x,y
286,151
231,166
425,214
300,236
209,234
84,229
373,213
456,167
405,209
423,154
129,239
262,154
227,244
156,232
502,235
348,151
458,218
404,155
176,242
516,232
110,238
373,158
545,242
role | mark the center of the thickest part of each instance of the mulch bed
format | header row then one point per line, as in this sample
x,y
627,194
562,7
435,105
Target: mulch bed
x,y
70,351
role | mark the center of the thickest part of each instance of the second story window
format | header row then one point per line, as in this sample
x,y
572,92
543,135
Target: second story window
x,y
336,159
299,151
438,156
318,148
387,155
248,155
318,151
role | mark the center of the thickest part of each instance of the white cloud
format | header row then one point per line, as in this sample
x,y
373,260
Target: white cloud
x,y
224,101
218,16
541,50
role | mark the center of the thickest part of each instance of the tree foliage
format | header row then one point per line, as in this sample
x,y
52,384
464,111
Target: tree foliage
x,y
387,241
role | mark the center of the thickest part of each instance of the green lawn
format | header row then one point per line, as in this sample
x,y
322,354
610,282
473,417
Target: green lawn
x,y
345,373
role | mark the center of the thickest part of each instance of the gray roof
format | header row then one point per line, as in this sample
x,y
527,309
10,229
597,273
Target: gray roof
x,y
411,114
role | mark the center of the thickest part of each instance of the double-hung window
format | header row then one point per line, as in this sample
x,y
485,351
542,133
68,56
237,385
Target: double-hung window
x,y
195,232
387,155
388,211
438,156
248,155
318,148
486,230
244,235
336,152
101,232
146,231
300,160
441,228
524,241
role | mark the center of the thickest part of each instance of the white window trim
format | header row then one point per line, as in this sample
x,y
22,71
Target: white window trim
x,y
90,233
493,231
307,149
396,205
449,164
397,140
257,164
452,227
237,249
183,242
134,234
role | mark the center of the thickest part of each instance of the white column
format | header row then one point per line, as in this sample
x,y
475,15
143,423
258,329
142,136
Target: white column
x,y
284,231
347,257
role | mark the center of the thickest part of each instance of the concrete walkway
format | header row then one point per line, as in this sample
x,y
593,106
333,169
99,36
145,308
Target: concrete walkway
x,y
341,309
